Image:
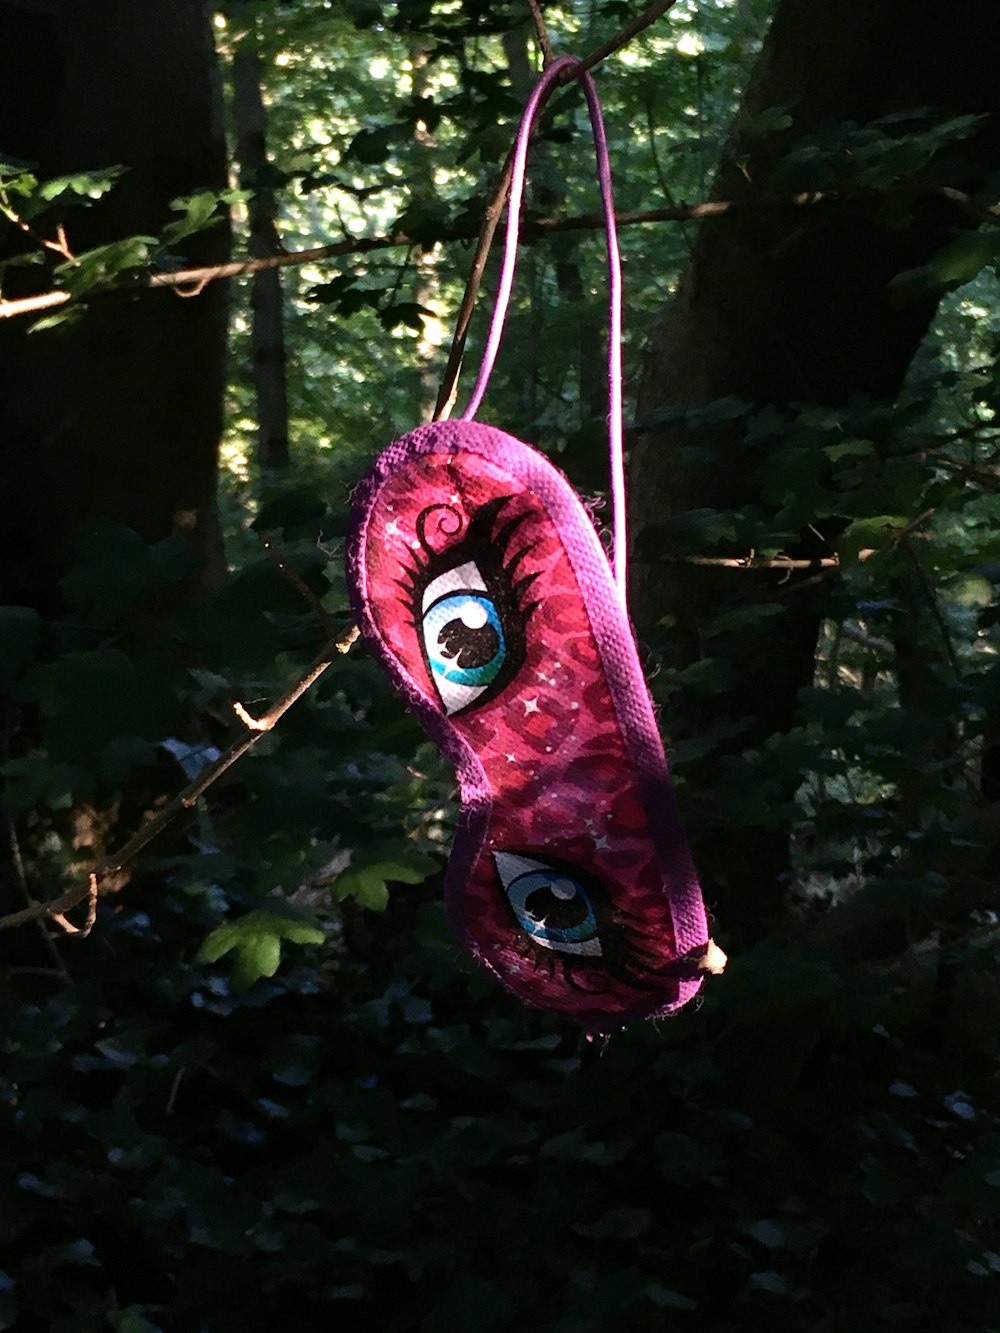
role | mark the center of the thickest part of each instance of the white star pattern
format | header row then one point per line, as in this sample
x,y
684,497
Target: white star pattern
x,y
392,529
530,706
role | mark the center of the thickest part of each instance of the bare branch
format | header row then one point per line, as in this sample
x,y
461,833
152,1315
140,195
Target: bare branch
x,y
449,381
541,32
448,391
84,930
300,587
20,870
31,305
933,605
56,908
192,281
753,562
645,19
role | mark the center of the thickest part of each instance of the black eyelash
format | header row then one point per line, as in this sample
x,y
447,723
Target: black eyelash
x,y
625,973
627,955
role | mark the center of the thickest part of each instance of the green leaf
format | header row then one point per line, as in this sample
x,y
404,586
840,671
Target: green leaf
x,y
200,212
96,704
133,1320
372,147
867,534
425,219
770,120
694,531
958,262
849,449
408,313
105,262
619,1224
367,880
256,939
119,569
666,1299
258,955
20,635
963,258
970,590
69,315
85,184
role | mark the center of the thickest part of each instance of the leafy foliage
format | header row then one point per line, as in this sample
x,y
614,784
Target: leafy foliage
x,y
268,1091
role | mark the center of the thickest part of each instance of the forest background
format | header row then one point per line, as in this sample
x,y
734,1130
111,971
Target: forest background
x,y
265,1089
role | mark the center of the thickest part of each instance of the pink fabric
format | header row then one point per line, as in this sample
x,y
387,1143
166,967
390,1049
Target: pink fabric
x,y
570,878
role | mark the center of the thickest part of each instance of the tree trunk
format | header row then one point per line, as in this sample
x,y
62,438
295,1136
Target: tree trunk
x,y
267,300
791,304
425,281
118,415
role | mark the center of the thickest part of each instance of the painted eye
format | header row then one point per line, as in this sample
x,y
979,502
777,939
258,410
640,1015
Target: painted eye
x,y
467,602
550,905
463,636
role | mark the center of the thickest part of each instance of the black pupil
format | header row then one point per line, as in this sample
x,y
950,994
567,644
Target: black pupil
x,y
472,647
543,906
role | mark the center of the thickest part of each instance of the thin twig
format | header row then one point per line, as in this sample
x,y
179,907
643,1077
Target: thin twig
x,y
20,870
668,194
60,246
541,32
985,476
755,562
300,587
84,930
185,799
900,534
647,17
873,642
31,305
935,609
174,1088
448,391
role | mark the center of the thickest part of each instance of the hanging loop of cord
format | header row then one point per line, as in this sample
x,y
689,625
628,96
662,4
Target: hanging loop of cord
x,y
543,88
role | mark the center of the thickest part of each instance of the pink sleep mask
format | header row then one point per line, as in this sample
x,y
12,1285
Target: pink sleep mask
x,y
481,585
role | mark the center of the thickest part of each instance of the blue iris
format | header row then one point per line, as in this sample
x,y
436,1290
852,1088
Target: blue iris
x,y
554,909
465,639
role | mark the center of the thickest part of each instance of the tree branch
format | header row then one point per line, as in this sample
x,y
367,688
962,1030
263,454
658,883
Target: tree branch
x,y
645,19
449,381
184,800
192,281
753,562
541,32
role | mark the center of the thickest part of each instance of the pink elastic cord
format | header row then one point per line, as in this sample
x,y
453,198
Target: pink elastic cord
x,y
539,95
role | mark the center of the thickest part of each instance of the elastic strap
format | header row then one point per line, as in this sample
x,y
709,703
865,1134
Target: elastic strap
x,y
539,95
